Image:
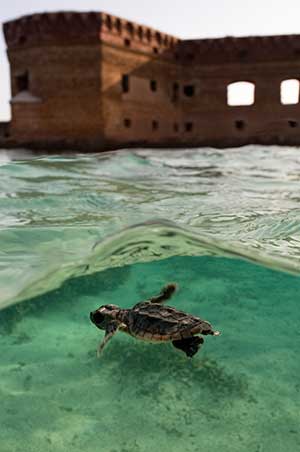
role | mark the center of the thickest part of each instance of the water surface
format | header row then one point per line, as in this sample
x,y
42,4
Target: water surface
x,y
55,209
78,231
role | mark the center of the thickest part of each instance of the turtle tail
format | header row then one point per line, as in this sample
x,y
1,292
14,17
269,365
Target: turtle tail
x,y
165,294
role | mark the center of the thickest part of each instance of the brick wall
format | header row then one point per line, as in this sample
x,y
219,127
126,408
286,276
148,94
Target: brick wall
x,y
92,80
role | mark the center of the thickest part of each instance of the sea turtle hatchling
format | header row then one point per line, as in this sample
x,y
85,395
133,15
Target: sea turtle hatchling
x,y
152,321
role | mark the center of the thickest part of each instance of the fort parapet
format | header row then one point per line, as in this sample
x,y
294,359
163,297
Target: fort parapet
x,y
93,81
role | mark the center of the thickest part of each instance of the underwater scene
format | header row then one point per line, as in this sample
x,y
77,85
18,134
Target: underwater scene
x,y
81,231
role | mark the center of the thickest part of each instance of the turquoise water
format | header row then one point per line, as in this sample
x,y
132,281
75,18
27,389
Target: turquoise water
x,y
239,393
121,226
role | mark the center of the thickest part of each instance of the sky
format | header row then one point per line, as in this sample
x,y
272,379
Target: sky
x,y
189,19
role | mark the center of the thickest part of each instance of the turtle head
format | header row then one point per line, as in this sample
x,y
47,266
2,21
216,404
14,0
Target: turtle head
x,y
104,315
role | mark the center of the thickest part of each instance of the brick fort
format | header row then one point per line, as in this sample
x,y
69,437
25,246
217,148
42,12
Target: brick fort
x,y
92,81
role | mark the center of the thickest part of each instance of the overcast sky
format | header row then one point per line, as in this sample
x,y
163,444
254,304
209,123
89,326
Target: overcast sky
x,y
185,19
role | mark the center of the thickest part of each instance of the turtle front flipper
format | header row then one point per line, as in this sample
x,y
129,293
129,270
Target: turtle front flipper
x,y
189,345
165,294
111,329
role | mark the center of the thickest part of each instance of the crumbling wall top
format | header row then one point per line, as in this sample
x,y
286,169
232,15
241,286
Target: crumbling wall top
x,y
80,28
84,28
45,28
137,37
251,49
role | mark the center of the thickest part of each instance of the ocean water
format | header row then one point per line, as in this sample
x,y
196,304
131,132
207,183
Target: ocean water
x,y
80,231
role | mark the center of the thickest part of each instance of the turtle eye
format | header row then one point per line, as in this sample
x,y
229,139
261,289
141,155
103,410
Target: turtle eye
x,y
97,317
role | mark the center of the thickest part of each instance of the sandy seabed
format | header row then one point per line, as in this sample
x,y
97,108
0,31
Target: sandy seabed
x,y
240,393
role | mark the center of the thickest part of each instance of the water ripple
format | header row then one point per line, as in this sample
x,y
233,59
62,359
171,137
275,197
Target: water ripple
x,y
54,209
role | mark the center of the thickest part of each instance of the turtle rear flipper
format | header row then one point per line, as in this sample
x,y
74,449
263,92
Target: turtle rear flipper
x,y
165,294
189,345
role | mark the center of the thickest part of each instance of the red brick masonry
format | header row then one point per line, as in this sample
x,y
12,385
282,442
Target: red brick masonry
x,y
92,81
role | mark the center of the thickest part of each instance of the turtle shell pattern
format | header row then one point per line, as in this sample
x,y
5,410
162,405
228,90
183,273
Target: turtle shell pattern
x,y
156,322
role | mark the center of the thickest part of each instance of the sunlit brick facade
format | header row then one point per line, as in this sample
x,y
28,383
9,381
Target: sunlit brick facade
x,y
92,81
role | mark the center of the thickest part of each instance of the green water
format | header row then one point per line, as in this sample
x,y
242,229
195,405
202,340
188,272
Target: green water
x,y
239,393
65,216
79,231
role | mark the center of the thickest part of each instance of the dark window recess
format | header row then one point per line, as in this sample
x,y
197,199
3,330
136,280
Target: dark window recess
x,y
154,125
292,123
176,127
127,123
189,126
243,53
240,124
175,93
127,42
153,85
109,22
125,83
140,33
118,25
189,90
130,28
155,50
22,82
22,39
158,37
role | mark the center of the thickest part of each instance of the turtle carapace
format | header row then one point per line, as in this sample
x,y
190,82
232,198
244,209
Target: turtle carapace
x,y
152,321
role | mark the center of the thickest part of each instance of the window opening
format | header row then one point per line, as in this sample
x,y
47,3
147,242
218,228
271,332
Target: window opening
x,y
158,37
140,33
22,82
153,85
240,93
127,123
109,22
292,123
125,83
289,92
189,126
154,125
130,28
240,124
119,26
189,90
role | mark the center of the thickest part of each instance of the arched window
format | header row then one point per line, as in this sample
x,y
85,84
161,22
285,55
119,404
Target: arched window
x,y
240,93
108,22
130,28
140,33
158,37
289,92
118,25
149,35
